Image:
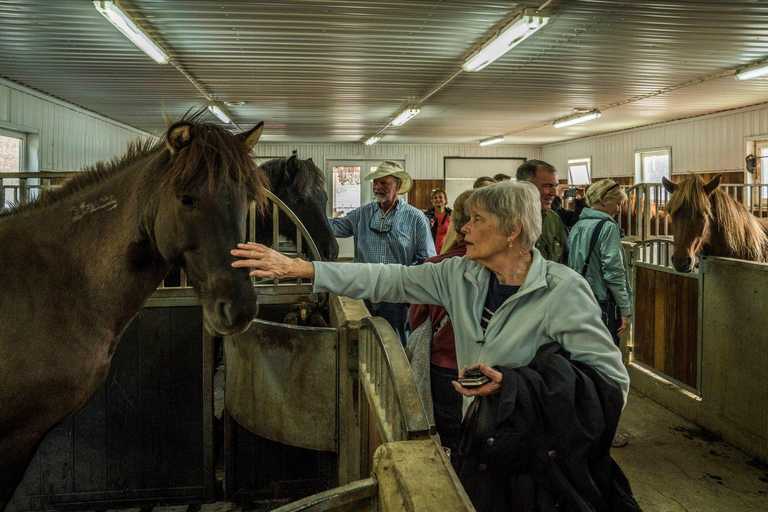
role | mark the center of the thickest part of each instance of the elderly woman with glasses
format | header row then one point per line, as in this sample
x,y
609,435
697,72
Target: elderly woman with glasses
x,y
504,299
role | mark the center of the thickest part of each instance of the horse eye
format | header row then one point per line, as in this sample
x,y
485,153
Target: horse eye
x,y
188,201
299,200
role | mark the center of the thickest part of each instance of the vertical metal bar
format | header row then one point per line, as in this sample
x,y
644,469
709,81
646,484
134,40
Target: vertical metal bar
x,y
657,196
629,210
275,233
647,211
639,212
252,222
299,239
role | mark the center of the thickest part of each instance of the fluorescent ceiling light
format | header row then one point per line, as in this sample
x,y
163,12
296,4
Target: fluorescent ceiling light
x,y
577,118
752,71
517,31
492,140
372,140
404,116
220,113
131,30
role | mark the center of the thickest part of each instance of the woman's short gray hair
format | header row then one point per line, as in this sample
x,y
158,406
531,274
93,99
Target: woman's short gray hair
x,y
509,201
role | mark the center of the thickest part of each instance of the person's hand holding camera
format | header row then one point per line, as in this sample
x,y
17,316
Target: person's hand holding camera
x,y
490,387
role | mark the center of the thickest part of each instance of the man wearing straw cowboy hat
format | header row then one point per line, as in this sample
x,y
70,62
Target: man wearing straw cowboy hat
x,y
388,231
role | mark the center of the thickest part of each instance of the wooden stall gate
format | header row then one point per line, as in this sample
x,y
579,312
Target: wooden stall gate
x,y
667,305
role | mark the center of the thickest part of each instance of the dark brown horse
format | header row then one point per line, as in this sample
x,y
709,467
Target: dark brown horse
x,y
78,264
300,184
707,221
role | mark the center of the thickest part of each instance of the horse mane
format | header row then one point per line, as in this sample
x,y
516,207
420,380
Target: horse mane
x,y
741,231
306,174
210,150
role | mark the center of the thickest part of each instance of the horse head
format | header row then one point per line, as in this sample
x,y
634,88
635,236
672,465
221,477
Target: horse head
x,y
300,184
201,215
690,209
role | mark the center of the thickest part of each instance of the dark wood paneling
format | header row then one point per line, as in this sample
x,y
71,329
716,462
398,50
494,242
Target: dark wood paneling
x,y
666,324
260,469
142,439
419,196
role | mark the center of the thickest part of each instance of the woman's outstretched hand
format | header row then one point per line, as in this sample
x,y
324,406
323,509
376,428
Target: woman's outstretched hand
x,y
268,263
489,388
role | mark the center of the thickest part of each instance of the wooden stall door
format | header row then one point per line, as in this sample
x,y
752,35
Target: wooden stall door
x,y
666,324
145,437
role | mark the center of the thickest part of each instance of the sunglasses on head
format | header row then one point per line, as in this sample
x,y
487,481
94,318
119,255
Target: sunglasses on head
x,y
615,185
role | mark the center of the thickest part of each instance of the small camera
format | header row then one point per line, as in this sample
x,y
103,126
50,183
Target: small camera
x,y
571,192
474,378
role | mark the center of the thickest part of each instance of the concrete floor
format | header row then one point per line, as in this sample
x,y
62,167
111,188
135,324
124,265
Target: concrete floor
x,y
674,466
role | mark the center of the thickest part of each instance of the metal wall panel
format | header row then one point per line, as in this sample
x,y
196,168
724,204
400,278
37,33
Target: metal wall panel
x,y
704,144
424,162
70,137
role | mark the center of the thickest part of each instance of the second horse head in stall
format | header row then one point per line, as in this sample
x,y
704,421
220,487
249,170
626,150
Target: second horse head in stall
x,y
300,184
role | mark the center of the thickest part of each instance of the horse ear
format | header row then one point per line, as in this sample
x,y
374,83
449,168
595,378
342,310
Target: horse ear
x,y
179,136
668,185
713,184
291,165
251,137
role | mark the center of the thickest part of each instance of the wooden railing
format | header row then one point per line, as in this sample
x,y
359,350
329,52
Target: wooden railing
x,y
386,377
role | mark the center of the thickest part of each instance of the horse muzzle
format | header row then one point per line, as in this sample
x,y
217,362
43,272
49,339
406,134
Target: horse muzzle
x,y
225,316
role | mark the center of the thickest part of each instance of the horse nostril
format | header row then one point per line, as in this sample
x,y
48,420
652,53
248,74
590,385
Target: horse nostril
x,y
225,312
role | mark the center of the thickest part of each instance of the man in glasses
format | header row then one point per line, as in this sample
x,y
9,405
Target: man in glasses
x,y
388,231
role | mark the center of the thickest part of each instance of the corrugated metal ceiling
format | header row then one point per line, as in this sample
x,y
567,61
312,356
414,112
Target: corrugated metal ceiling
x,y
339,71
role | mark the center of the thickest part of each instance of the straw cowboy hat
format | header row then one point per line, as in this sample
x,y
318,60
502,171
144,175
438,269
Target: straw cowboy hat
x,y
387,168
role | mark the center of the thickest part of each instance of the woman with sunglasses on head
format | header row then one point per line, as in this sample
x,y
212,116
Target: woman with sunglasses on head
x,y
439,217
510,308
597,254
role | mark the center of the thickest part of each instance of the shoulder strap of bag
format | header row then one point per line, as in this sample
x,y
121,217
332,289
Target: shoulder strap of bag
x,y
592,243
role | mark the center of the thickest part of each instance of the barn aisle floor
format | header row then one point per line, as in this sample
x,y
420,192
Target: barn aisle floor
x,y
674,466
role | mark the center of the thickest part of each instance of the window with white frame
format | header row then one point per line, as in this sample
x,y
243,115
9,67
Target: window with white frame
x,y
652,164
11,160
579,171
761,149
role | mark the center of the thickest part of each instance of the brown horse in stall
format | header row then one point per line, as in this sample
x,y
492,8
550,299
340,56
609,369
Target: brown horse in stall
x,y
707,221
78,264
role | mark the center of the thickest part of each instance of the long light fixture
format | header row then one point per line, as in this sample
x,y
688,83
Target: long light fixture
x,y
753,71
577,118
405,116
372,140
130,29
492,140
514,33
219,112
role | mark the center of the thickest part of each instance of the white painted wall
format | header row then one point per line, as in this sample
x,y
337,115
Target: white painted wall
x,y
423,161
714,142
69,137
